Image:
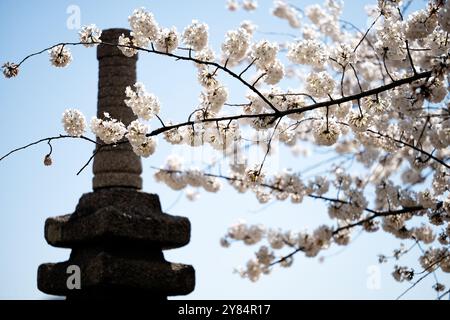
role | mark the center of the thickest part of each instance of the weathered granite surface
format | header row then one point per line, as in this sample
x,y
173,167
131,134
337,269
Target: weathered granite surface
x,y
121,275
118,216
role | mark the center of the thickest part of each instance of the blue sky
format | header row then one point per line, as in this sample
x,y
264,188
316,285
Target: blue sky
x,y
31,107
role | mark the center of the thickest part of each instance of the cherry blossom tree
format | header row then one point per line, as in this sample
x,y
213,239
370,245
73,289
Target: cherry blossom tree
x,y
377,96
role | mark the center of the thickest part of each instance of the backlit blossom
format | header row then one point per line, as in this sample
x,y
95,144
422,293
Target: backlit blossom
x,y
236,44
264,53
284,11
311,52
167,40
125,45
109,130
146,148
195,35
326,133
136,132
145,105
320,84
74,122
344,54
249,5
144,27
60,56
274,72
90,35
10,70
358,122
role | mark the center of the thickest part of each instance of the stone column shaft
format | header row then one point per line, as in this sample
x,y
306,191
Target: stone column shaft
x,y
115,166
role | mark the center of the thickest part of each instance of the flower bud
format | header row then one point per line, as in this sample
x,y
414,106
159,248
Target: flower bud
x,y
48,160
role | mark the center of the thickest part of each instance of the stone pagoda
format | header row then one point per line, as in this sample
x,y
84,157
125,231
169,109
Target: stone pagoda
x,y
117,232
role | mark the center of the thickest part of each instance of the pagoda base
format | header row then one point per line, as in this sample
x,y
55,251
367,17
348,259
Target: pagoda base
x,y
117,236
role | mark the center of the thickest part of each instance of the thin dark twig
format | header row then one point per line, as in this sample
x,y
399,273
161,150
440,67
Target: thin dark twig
x,y
268,146
407,46
385,67
410,57
237,104
91,158
429,155
427,273
296,94
370,45
423,130
259,78
248,67
342,81
367,32
45,140
49,142
270,33
357,78
444,294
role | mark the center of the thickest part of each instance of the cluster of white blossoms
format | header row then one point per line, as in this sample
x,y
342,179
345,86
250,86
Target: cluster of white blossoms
x,y
311,243
434,258
145,148
444,17
144,105
391,39
173,175
310,52
403,273
167,40
90,35
344,54
109,130
60,56
74,122
264,57
137,135
359,122
236,45
264,54
248,26
126,45
284,11
326,132
248,5
137,132
420,24
281,186
145,30
195,35
214,98
320,84
112,131
144,27
326,18
274,73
